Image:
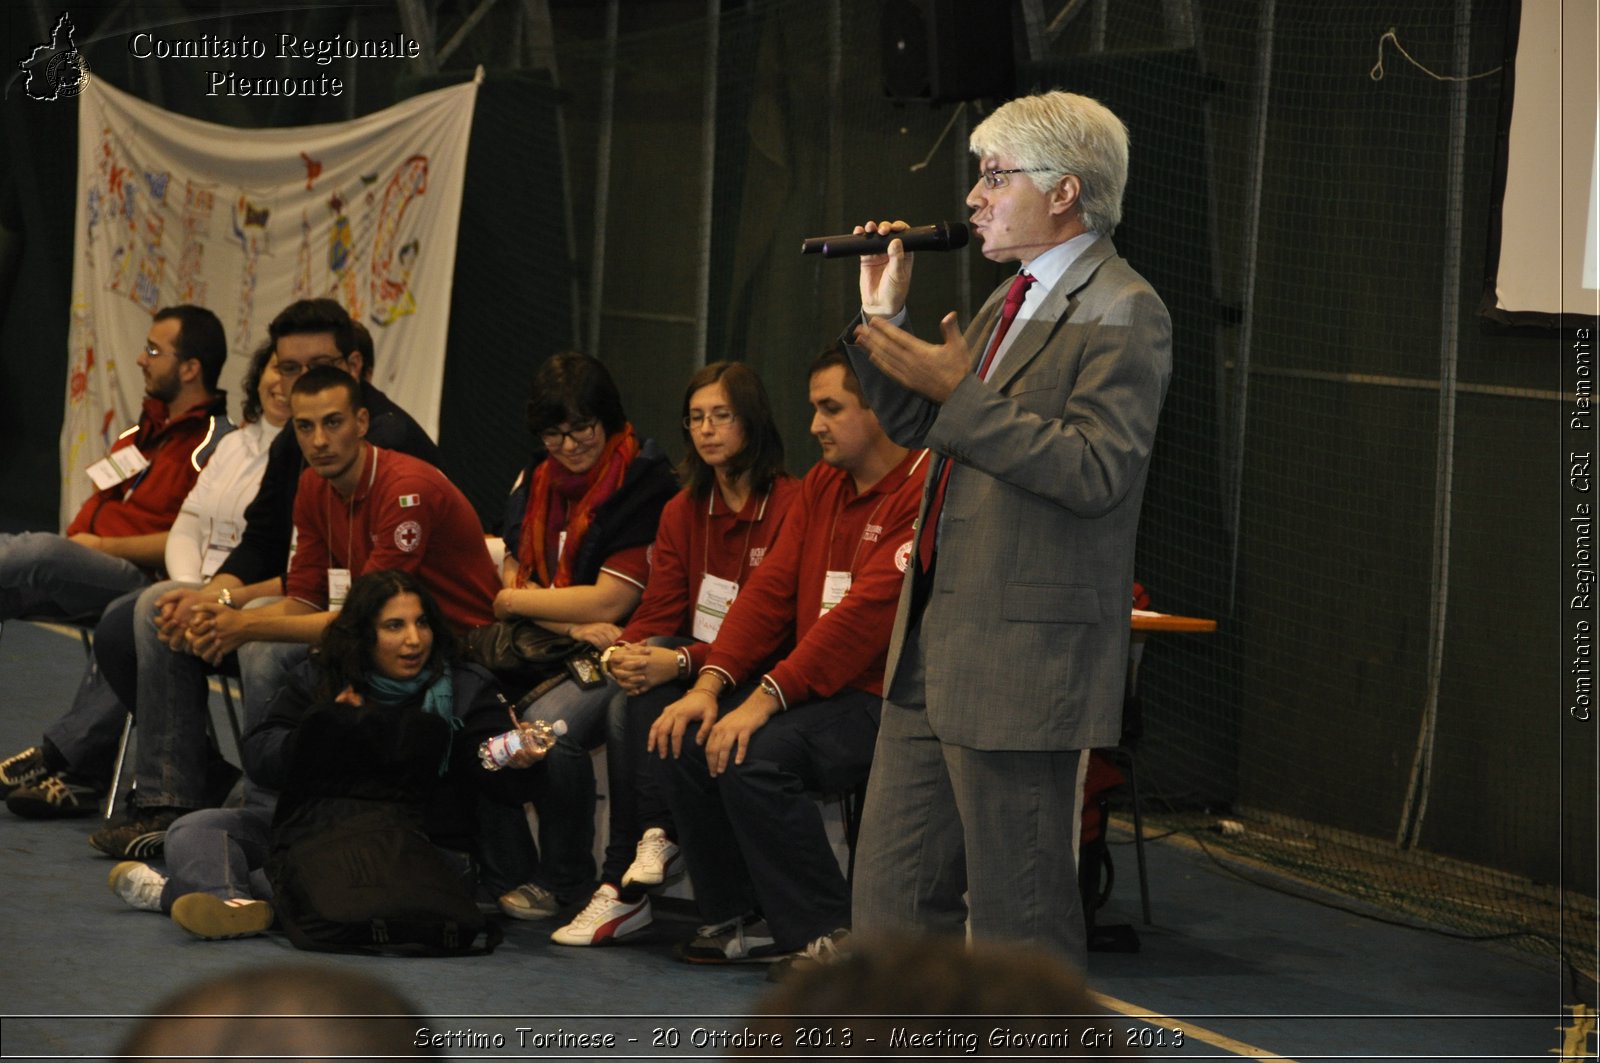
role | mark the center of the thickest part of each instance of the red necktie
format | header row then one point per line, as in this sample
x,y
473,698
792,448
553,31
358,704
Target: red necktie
x,y
930,524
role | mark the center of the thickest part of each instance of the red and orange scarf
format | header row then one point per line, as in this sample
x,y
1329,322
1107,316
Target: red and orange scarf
x,y
583,494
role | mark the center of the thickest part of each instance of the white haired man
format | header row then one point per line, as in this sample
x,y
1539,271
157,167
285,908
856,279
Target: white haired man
x,y
1010,645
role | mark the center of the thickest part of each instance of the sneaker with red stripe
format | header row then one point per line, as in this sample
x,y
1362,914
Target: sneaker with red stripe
x,y
607,917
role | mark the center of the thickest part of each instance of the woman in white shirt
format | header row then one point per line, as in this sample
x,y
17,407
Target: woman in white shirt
x,y
212,517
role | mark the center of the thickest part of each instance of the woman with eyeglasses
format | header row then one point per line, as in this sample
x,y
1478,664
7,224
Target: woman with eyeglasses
x,y
578,530
713,533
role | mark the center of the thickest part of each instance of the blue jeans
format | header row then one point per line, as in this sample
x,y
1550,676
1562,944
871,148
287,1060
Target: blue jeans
x,y
264,669
48,577
172,705
221,851
562,787
86,736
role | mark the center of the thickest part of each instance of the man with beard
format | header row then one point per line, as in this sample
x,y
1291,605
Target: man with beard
x,y
119,536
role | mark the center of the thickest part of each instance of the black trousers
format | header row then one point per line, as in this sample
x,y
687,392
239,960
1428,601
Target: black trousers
x,y
753,838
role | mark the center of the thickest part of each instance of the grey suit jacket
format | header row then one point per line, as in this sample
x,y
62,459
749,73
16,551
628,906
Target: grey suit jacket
x,y
1026,623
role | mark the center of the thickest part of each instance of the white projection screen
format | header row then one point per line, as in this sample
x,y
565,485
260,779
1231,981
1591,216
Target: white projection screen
x,y
1550,221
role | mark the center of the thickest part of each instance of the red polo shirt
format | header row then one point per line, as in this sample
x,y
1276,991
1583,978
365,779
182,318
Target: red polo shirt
x,y
829,528
697,536
404,514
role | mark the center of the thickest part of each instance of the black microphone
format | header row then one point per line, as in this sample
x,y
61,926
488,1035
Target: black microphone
x,y
946,236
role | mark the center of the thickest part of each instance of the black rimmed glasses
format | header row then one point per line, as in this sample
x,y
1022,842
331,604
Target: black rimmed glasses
x,y
290,370
582,434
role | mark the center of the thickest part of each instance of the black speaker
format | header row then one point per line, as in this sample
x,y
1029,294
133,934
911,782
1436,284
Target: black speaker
x,y
937,51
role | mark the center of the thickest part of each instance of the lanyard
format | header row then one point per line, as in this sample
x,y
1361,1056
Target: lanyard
x,y
744,551
349,515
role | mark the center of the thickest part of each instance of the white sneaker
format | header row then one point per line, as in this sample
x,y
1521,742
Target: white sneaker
x,y
605,918
139,884
654,861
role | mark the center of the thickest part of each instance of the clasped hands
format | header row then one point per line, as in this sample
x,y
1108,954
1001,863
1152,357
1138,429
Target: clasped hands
x,y
191,621
932,370
636,667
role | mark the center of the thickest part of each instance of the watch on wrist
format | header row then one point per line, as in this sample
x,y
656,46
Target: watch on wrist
x,y
225,597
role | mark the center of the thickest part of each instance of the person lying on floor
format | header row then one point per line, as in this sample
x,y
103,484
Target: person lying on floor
x,y
382,713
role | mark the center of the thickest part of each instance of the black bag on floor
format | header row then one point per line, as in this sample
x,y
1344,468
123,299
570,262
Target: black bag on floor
x,y
352,865
374,883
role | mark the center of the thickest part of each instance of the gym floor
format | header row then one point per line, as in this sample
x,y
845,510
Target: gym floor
x,y
1228,968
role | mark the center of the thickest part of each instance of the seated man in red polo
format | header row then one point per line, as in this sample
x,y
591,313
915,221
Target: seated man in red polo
x,y
761,727
118,538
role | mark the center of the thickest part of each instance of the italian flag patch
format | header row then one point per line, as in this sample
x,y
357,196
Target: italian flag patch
x,y
407,501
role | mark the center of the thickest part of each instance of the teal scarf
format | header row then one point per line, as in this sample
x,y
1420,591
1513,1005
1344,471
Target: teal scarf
x,y
438,698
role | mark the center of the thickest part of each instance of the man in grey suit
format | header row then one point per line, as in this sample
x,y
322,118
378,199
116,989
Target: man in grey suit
x,y
1010,644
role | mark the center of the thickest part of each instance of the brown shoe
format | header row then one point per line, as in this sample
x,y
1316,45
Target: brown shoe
x,y
210,917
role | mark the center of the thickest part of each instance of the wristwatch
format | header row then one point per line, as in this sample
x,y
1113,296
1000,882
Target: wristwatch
x,y
225,597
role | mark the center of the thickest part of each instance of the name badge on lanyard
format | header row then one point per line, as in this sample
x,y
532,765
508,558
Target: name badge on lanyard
x,y
117,467
224,537
716,595
835,585
338,588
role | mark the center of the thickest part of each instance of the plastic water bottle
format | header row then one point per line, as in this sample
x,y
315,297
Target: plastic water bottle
x,y
496,752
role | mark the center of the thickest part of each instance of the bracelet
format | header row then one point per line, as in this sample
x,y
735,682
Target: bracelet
x,y
605,659
723,677
225,598
772,688
683,662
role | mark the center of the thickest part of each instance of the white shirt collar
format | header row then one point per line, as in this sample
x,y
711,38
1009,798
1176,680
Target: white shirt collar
x,y
1049,267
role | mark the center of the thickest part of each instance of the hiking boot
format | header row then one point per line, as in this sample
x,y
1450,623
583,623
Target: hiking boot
x,y
214,919
142,837
607,917
529,901
742,940
824,951
138,884
55,797
22,769
654,861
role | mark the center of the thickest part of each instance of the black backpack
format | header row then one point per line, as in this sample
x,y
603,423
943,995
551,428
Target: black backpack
x,y
351,865
375,883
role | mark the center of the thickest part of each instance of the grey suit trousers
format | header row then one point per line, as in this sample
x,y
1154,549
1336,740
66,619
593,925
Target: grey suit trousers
x,y
942,820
